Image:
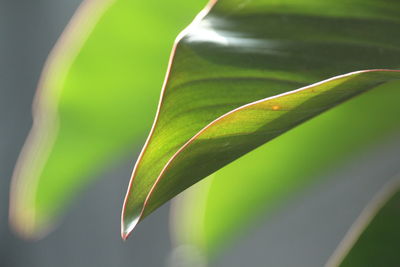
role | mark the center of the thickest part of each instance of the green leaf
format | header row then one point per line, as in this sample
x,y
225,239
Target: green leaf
x,y
96,99
284,167
374,239
232,85
339,33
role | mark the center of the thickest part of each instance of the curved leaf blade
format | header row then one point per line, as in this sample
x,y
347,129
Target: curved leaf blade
x,y
245,128
232,55
282,168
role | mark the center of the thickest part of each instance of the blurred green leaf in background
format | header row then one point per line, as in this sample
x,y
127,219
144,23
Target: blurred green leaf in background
x,y
95,101
373,239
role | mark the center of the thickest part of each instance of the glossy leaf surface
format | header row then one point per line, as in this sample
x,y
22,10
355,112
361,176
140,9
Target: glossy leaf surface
x,y
305,38
283,168
96,100
247,51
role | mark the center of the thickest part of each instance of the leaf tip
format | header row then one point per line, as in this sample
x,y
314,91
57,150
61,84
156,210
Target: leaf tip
x,y
127,226
24,225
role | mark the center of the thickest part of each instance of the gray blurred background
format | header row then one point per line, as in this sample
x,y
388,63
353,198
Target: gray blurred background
x,y
304,233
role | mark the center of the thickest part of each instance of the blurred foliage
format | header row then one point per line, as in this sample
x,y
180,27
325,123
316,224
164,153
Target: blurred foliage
x,y
379,244
96,100
373,240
